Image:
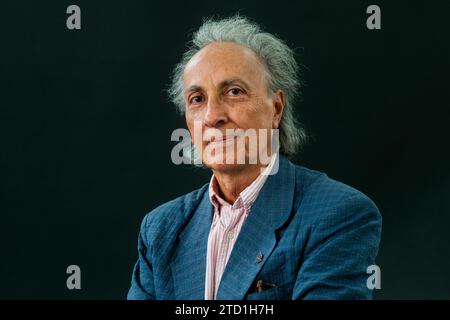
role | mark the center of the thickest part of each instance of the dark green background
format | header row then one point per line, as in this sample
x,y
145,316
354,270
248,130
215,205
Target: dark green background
x,y
85,131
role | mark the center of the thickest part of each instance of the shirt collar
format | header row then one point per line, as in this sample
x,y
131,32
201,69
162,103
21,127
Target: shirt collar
x,y
248,196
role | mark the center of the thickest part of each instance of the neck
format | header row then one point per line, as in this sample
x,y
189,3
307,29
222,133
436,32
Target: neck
x,y
233,182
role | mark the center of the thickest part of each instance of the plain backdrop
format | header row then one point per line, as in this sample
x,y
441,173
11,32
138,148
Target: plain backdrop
x,y
85,130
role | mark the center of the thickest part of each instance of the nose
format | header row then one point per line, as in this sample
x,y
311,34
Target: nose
x,y
216,114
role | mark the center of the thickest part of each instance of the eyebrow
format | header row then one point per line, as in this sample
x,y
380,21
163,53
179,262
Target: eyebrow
x,y
222,85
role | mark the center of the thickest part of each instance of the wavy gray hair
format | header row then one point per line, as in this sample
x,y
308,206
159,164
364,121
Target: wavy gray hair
x,y
281,68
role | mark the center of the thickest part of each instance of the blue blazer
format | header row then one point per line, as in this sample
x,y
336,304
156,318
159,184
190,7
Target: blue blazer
x,y
306,237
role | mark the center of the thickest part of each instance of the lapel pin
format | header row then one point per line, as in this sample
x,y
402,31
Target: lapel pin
x,y
259,257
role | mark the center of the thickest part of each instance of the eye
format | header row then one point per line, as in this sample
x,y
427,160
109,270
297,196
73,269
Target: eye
x,y
235,91
196,99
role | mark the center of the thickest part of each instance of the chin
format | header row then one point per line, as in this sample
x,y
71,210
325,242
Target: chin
x,y
218,165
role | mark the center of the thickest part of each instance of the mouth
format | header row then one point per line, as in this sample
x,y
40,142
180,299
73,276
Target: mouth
x,y
222,140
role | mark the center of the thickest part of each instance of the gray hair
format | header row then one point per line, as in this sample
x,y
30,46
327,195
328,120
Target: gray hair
x,y
281,69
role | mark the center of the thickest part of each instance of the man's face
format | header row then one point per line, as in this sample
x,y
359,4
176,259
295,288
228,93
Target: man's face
x,y
225,87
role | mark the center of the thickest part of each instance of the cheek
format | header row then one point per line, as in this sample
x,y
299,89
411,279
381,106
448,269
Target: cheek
x,y
255,115
193,115
190,125
195,128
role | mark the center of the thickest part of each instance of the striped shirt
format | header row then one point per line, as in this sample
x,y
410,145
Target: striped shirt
x,y
227,222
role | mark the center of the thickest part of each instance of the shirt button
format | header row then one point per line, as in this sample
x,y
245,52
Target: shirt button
x,y
230,235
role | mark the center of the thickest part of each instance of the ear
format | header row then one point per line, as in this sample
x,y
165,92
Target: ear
x,y
278,99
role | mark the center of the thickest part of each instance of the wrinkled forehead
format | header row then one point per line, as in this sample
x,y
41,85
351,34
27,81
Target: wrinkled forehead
x,y
222,60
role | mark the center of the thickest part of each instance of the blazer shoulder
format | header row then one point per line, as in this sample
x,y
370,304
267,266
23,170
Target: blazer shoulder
x,y
321,196
174,212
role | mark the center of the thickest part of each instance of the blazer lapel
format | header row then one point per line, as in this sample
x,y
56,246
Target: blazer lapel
x,y
257,237
189,262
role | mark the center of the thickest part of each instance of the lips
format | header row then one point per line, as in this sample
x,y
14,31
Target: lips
x,y
222,140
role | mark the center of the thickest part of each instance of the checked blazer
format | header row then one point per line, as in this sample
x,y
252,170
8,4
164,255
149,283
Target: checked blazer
x,y
307,237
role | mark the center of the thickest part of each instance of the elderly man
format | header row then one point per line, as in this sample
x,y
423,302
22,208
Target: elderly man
x,y
258,229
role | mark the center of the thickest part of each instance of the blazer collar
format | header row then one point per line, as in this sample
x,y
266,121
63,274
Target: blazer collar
x,y
257,237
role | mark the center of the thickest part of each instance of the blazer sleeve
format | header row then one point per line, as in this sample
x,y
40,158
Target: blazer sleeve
x,y
341,246
142,283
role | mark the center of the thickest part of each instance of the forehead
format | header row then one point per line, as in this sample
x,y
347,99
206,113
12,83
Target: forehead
x,y
219,61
